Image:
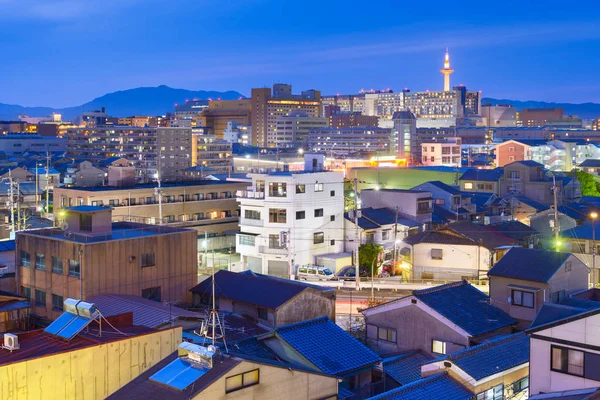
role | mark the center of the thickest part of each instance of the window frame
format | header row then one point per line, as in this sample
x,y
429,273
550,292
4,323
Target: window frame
x,y
300,188
54,307
568,350
319,211
521,303
242,386
444,346
72,274
54,263
42,265
25,259
39,293
300,215
318,187
147,261
318,237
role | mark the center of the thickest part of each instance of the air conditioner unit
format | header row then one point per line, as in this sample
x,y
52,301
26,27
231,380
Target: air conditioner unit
x,y
11,342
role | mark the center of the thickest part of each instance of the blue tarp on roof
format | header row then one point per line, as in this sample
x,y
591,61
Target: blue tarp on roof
x,y
434,387
534,265
465,306
327,346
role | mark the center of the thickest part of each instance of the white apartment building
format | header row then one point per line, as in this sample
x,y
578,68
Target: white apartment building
x,y
294,128
288,218
446,153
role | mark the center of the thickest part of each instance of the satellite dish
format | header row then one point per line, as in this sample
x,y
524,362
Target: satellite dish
x,y
64,226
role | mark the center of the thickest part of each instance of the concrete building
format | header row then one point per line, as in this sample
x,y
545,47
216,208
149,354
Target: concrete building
x,y
346,102
514,150
429,320
435,109
384,104
293,128
268,105
191,109
414,205
405,129
238,133
287,302
501,115
220,112
532,117
528,179
481,180
144,147
204,205
340,119
210,153
19,143
524,279
84,174
353,141
90,255
289,218
447,153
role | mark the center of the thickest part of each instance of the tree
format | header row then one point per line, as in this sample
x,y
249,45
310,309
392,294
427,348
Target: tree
x,y
367,257
589,184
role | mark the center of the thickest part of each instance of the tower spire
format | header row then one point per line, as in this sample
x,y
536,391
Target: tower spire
x,y
447,71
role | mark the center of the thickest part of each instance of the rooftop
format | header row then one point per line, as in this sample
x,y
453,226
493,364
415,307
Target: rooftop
x,y
532,203
488,236
164,185
529,163
440,185
429,388
578,394
554,312
405,368
487,175
590,163
120,231
533,265
442,236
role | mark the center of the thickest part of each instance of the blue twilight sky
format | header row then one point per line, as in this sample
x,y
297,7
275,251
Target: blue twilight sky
x,y
66,52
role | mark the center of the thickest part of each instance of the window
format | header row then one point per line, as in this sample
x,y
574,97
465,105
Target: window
x,y
57,265
567,266
318,212
424,149
26,292
74,268
40,298
386,334
557,296
148,260
57,302
277,215
370,237
242,381
251,214
495,393
568,361
274,242
318,237
511,158
520,385
113,202
277,189
263,313
437,254
332,242
523,299
300,188
85,222
432,149
152,293
318,187
40,261
25,259
385,235
468,185
423,207
332,218
300,214
439,347
247,240
96,203
332,193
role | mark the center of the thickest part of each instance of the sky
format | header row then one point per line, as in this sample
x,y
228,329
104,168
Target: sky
x,y
62,53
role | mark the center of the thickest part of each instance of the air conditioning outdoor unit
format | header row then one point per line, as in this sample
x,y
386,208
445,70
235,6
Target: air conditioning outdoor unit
x,y
11,342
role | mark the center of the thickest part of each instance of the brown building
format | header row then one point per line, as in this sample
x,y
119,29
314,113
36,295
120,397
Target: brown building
x,y
512,150
204,205
347,120
539,116
219,112
89,255
527,180
268,105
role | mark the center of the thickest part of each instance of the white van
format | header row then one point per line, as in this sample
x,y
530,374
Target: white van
x,y
315,272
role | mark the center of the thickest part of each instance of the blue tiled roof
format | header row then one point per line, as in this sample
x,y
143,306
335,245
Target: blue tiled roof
x,y
381,216
87,208
532,203
465,306
534,265
434,387
576,211
267,293
590,163
554,312
493,356
405,368
529,163
363,223
7,245
440,185
583,231
487,175
594,200
327,346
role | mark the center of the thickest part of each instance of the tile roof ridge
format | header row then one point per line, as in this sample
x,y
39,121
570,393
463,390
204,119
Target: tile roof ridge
x,y
302,323
485,345
440,288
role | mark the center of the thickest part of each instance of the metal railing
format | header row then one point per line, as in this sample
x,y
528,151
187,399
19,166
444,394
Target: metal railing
x,y
252,222
249,194
268,250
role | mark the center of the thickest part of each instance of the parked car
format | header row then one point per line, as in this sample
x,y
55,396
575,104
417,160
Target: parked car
x,y
349,273
315,272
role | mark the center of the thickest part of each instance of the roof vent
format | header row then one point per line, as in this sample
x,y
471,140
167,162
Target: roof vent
x,y
447,364
11,342
414,301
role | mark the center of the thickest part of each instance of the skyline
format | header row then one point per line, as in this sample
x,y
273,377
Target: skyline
x,y
75,51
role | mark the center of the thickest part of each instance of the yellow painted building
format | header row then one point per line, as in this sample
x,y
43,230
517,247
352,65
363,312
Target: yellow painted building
x,y
86,368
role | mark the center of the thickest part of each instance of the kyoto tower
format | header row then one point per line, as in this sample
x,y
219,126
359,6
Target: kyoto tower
x,y
446,71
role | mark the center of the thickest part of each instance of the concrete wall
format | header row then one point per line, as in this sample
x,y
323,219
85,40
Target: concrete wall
x,y
309,304
274,383
458,261
509,152
91,373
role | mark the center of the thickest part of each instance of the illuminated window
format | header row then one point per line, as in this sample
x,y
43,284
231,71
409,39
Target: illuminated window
x,y
241,381
468,185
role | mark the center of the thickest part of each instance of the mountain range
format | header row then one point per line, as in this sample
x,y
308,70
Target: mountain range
x,y
161,99
123,103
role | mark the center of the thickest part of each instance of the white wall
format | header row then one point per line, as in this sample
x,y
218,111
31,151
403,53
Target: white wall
x,y
458,260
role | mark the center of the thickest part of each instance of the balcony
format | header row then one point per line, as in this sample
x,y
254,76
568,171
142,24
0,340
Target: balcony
x,y
252,222
250,194
268,250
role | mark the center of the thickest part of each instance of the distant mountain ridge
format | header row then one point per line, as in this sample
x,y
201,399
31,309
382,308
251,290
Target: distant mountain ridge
x,y
583,110
139,101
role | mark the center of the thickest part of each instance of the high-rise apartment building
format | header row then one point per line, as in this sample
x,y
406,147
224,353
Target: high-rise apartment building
x,y
190,109
209,152
501,115
293,128
143,146
354,141
384,104
533,117
350,119
220,112
267,106
346,102
405,130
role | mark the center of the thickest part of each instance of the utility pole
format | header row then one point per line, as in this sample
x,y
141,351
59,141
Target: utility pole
x,y
159,192
395,241
555,228
356,236
11,202
47,186
37,184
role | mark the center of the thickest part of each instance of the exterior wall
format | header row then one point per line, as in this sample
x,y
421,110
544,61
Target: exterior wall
x,y
531,183
415,329
511,151
274,383
542,378
307,305
91,373
442,153
405,200
111,267
479,186
458,261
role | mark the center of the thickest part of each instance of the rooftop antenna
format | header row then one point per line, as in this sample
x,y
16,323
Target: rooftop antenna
x,y
158,191
214,320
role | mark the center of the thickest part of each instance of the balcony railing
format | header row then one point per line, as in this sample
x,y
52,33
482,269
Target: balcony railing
x,y
248,194
252,222
268,250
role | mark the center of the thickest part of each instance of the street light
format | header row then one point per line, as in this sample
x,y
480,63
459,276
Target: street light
x,y
593,216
